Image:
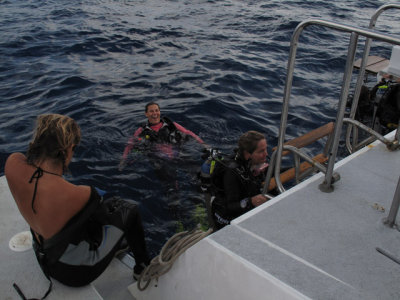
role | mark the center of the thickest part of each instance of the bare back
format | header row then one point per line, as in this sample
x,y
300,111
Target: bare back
x,y
56,200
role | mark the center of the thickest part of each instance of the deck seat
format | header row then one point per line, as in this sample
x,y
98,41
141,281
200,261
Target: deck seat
x,y
374,64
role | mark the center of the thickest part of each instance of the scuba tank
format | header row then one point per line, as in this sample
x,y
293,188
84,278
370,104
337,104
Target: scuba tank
x,y
207,169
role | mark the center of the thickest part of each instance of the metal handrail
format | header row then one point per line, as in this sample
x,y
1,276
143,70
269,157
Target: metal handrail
x,y
298,154
355,32
351,147
392,145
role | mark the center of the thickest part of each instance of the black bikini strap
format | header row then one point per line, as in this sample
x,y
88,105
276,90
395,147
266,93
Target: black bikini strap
x,y
36,175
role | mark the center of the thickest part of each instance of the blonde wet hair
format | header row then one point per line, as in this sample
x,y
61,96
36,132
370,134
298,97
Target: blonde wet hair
x,y
53,135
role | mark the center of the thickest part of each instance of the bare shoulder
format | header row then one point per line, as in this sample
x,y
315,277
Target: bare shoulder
x,y
84,190
80,194
14,163
15,158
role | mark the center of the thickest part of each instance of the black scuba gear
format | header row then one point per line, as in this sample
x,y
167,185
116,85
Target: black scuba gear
x,y
232,186
168,133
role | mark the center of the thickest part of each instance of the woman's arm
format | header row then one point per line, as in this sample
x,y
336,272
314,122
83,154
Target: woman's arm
x,y
188,132
129,146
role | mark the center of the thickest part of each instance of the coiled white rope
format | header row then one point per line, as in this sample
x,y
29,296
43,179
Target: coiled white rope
x,y
172,249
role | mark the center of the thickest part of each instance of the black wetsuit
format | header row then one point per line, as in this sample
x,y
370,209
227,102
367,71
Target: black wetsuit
x,y
232,199
85,246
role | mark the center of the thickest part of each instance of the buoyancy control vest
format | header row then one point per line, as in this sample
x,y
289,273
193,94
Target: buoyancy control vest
x,y
388,110
212,177
213,170
168,133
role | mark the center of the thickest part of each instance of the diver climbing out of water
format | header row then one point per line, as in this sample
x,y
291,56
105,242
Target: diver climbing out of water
x,y
159,133
237,189
75,232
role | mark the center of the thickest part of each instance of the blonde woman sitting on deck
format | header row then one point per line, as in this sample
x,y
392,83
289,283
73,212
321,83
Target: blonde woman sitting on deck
x,y
75,233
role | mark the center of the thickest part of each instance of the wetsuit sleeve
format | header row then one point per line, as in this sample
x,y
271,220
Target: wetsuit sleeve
x,y
234,193
188,132
131,143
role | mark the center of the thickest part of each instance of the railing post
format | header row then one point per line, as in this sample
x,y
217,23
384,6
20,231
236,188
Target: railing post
x,y
326,186
391,219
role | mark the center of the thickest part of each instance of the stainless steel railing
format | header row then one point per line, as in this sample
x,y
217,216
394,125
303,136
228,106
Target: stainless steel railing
x,y
355,32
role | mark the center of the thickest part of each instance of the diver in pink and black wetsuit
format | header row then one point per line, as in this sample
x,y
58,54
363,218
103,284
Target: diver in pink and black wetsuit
x,y
160,132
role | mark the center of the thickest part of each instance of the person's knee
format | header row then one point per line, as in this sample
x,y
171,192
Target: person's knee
x,y
122,213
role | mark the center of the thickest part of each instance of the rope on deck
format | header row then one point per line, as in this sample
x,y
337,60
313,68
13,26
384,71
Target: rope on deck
x,y
172,249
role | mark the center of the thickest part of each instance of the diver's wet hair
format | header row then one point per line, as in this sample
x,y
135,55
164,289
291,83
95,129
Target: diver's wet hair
x,y
53,135
248,142
151,103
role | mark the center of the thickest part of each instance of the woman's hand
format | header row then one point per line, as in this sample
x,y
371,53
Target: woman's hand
x,y
258,200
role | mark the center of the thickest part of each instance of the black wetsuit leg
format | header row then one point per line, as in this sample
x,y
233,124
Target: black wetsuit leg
x,y
125,215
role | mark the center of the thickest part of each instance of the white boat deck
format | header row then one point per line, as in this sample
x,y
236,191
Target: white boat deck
x,y
301,244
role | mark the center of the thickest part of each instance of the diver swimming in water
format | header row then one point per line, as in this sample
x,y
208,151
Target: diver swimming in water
x,y
160,140
158,135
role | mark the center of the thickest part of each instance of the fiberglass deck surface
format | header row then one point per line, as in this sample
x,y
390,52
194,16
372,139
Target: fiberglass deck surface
x,y
324,244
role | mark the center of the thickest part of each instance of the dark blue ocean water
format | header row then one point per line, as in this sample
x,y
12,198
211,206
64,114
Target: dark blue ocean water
x,y
216,67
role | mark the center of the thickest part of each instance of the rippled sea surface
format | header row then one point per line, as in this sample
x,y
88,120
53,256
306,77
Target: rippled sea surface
x,y
216,67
